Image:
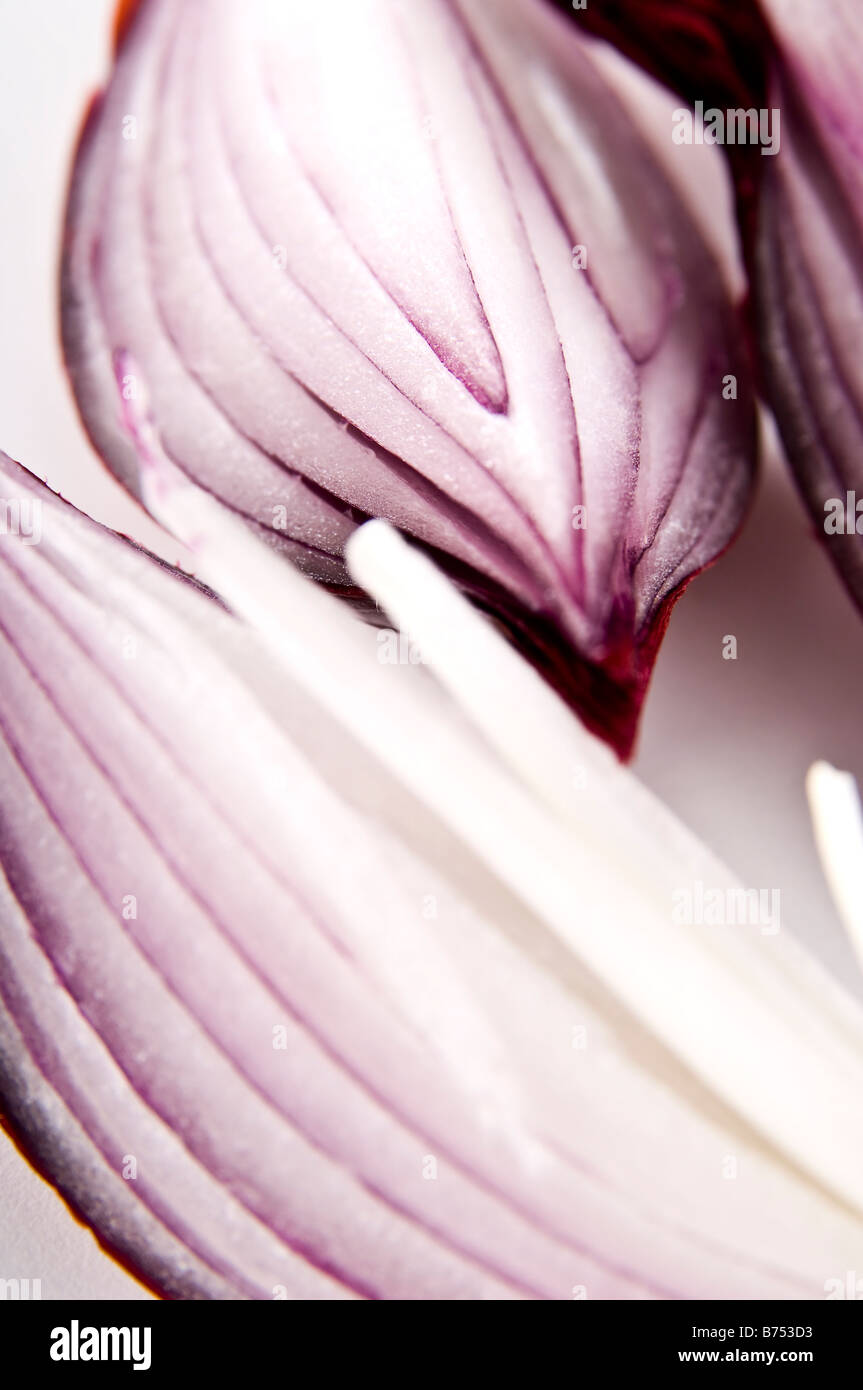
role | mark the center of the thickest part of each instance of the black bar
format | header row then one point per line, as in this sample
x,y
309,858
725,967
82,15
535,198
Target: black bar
x,y
254,1338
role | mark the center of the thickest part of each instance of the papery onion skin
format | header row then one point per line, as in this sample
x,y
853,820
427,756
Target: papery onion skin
x,y
809,282
462,378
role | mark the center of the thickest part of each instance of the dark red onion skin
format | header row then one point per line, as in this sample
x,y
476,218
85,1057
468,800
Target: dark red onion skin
x,y
124,18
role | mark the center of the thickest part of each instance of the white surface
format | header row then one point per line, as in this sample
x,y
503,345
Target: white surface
x,y
40,1239
726,743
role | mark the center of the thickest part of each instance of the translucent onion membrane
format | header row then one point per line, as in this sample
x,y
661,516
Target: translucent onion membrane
x,y
324,978
810,265
413,261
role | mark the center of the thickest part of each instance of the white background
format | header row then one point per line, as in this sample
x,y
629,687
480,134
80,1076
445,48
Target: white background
x,y
725,743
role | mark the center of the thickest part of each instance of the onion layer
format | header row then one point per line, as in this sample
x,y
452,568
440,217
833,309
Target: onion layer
x,y
281,1024
414,262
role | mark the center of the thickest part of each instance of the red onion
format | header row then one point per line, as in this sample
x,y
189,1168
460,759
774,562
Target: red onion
x,y
281,1018
414,262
